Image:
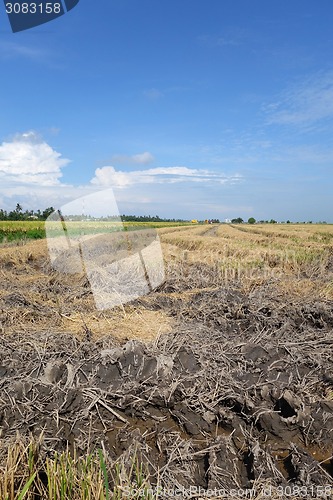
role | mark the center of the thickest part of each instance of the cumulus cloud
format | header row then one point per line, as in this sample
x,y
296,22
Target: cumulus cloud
x,y
29,159
109,176
138,159
31,170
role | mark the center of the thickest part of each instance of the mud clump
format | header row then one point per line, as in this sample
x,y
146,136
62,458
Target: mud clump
x,y
207,406
239,391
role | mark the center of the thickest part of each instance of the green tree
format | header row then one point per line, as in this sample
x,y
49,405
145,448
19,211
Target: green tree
x,y
3,214
48,211
251,220
18,211
15,214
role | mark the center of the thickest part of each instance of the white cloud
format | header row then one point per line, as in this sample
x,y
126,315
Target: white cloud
x,y
29,159
231,36
10,50
218,41
34,196
109,176
305,103
153,94
138,159
30,173
303,155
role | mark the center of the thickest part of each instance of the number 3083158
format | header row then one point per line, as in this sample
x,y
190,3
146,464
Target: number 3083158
x,y
33,8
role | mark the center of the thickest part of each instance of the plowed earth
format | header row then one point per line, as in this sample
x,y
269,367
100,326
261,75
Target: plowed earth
x,y
213,384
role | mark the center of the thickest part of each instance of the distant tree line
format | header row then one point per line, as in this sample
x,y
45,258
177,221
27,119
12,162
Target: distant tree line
x,y
147,218
252,220
19,214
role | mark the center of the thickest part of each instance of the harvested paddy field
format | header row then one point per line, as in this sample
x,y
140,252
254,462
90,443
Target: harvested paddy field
x,y
220,379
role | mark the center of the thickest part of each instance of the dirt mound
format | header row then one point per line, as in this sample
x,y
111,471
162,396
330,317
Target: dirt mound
x,y
215,404
233,385
34,297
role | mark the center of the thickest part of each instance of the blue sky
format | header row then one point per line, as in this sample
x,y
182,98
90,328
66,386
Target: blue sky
x,y
185,108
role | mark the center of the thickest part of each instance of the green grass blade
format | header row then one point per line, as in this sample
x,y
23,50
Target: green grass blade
x,y
27,486
105,474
